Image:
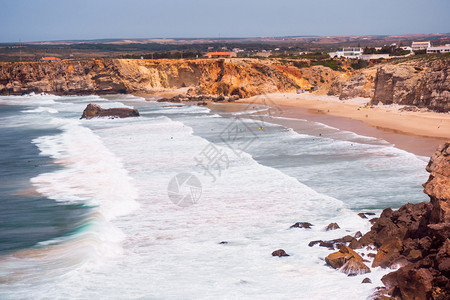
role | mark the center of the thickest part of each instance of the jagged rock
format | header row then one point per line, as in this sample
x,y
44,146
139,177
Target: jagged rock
x,y
443,257
332,226
409,283
358,234
348,261
94,110
388,253
279,253
302,225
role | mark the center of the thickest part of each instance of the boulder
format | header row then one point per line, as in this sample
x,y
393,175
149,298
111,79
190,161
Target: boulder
x,y
354,267
348,261
279,253
94,110
332,226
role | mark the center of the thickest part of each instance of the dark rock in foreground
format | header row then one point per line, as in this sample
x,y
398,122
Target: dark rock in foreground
x,y
94,110
279,253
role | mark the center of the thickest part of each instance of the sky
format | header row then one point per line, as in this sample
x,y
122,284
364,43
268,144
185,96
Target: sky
x,y
48,20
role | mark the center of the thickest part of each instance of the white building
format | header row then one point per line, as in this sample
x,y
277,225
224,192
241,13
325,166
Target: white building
x,y
439,49
374,56
420,45
348,53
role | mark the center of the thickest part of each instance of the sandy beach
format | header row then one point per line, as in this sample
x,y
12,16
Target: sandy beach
x,y
417,132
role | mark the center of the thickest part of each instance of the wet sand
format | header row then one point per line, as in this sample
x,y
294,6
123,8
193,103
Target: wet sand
x,y
416,132
292,117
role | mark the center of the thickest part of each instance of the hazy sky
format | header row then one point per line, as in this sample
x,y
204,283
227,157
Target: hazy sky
x,y
39,20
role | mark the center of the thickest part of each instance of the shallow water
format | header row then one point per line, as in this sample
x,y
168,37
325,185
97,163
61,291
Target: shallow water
x,y
89,216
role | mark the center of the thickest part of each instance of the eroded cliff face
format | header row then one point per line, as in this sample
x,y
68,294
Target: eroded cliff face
x,y
212,77
420,83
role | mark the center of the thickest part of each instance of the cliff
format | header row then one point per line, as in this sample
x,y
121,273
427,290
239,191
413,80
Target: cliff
x,y
421,83
243,78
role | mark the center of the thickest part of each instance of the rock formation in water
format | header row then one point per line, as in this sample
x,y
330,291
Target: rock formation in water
x,y
94,110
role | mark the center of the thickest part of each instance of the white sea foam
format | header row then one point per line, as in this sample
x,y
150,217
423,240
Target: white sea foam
x,y
173,252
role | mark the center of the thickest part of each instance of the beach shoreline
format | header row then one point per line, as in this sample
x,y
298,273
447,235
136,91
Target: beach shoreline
x,y
416,132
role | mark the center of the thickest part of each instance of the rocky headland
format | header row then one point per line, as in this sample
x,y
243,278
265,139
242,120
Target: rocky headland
x,y
423,83
415,239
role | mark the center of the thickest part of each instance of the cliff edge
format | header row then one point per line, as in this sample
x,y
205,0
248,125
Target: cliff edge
x,y
243,78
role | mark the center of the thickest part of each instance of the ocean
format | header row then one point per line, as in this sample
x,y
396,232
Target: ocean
x,y
184,202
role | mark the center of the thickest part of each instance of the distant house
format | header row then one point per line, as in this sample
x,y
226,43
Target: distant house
x,y
439,49
420,45
220,54
348,53
50,58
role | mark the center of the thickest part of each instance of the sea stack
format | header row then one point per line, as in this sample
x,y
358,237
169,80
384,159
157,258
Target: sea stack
x,y
94,110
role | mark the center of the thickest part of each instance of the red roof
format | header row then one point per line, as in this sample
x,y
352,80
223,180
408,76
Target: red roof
x,y
50,58
219,53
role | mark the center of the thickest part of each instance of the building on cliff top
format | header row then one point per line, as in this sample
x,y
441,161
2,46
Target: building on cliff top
x,y
50,58
347,53
439,49
420,45
220,54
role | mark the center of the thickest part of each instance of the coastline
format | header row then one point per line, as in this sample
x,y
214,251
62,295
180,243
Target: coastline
x,y
416,132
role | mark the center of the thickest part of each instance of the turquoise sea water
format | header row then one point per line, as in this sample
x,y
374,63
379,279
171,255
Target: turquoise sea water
x,y
85,210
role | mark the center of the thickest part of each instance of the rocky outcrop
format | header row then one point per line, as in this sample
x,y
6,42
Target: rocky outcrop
x,y
216,77
94,110
421,83
438,185
417,239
